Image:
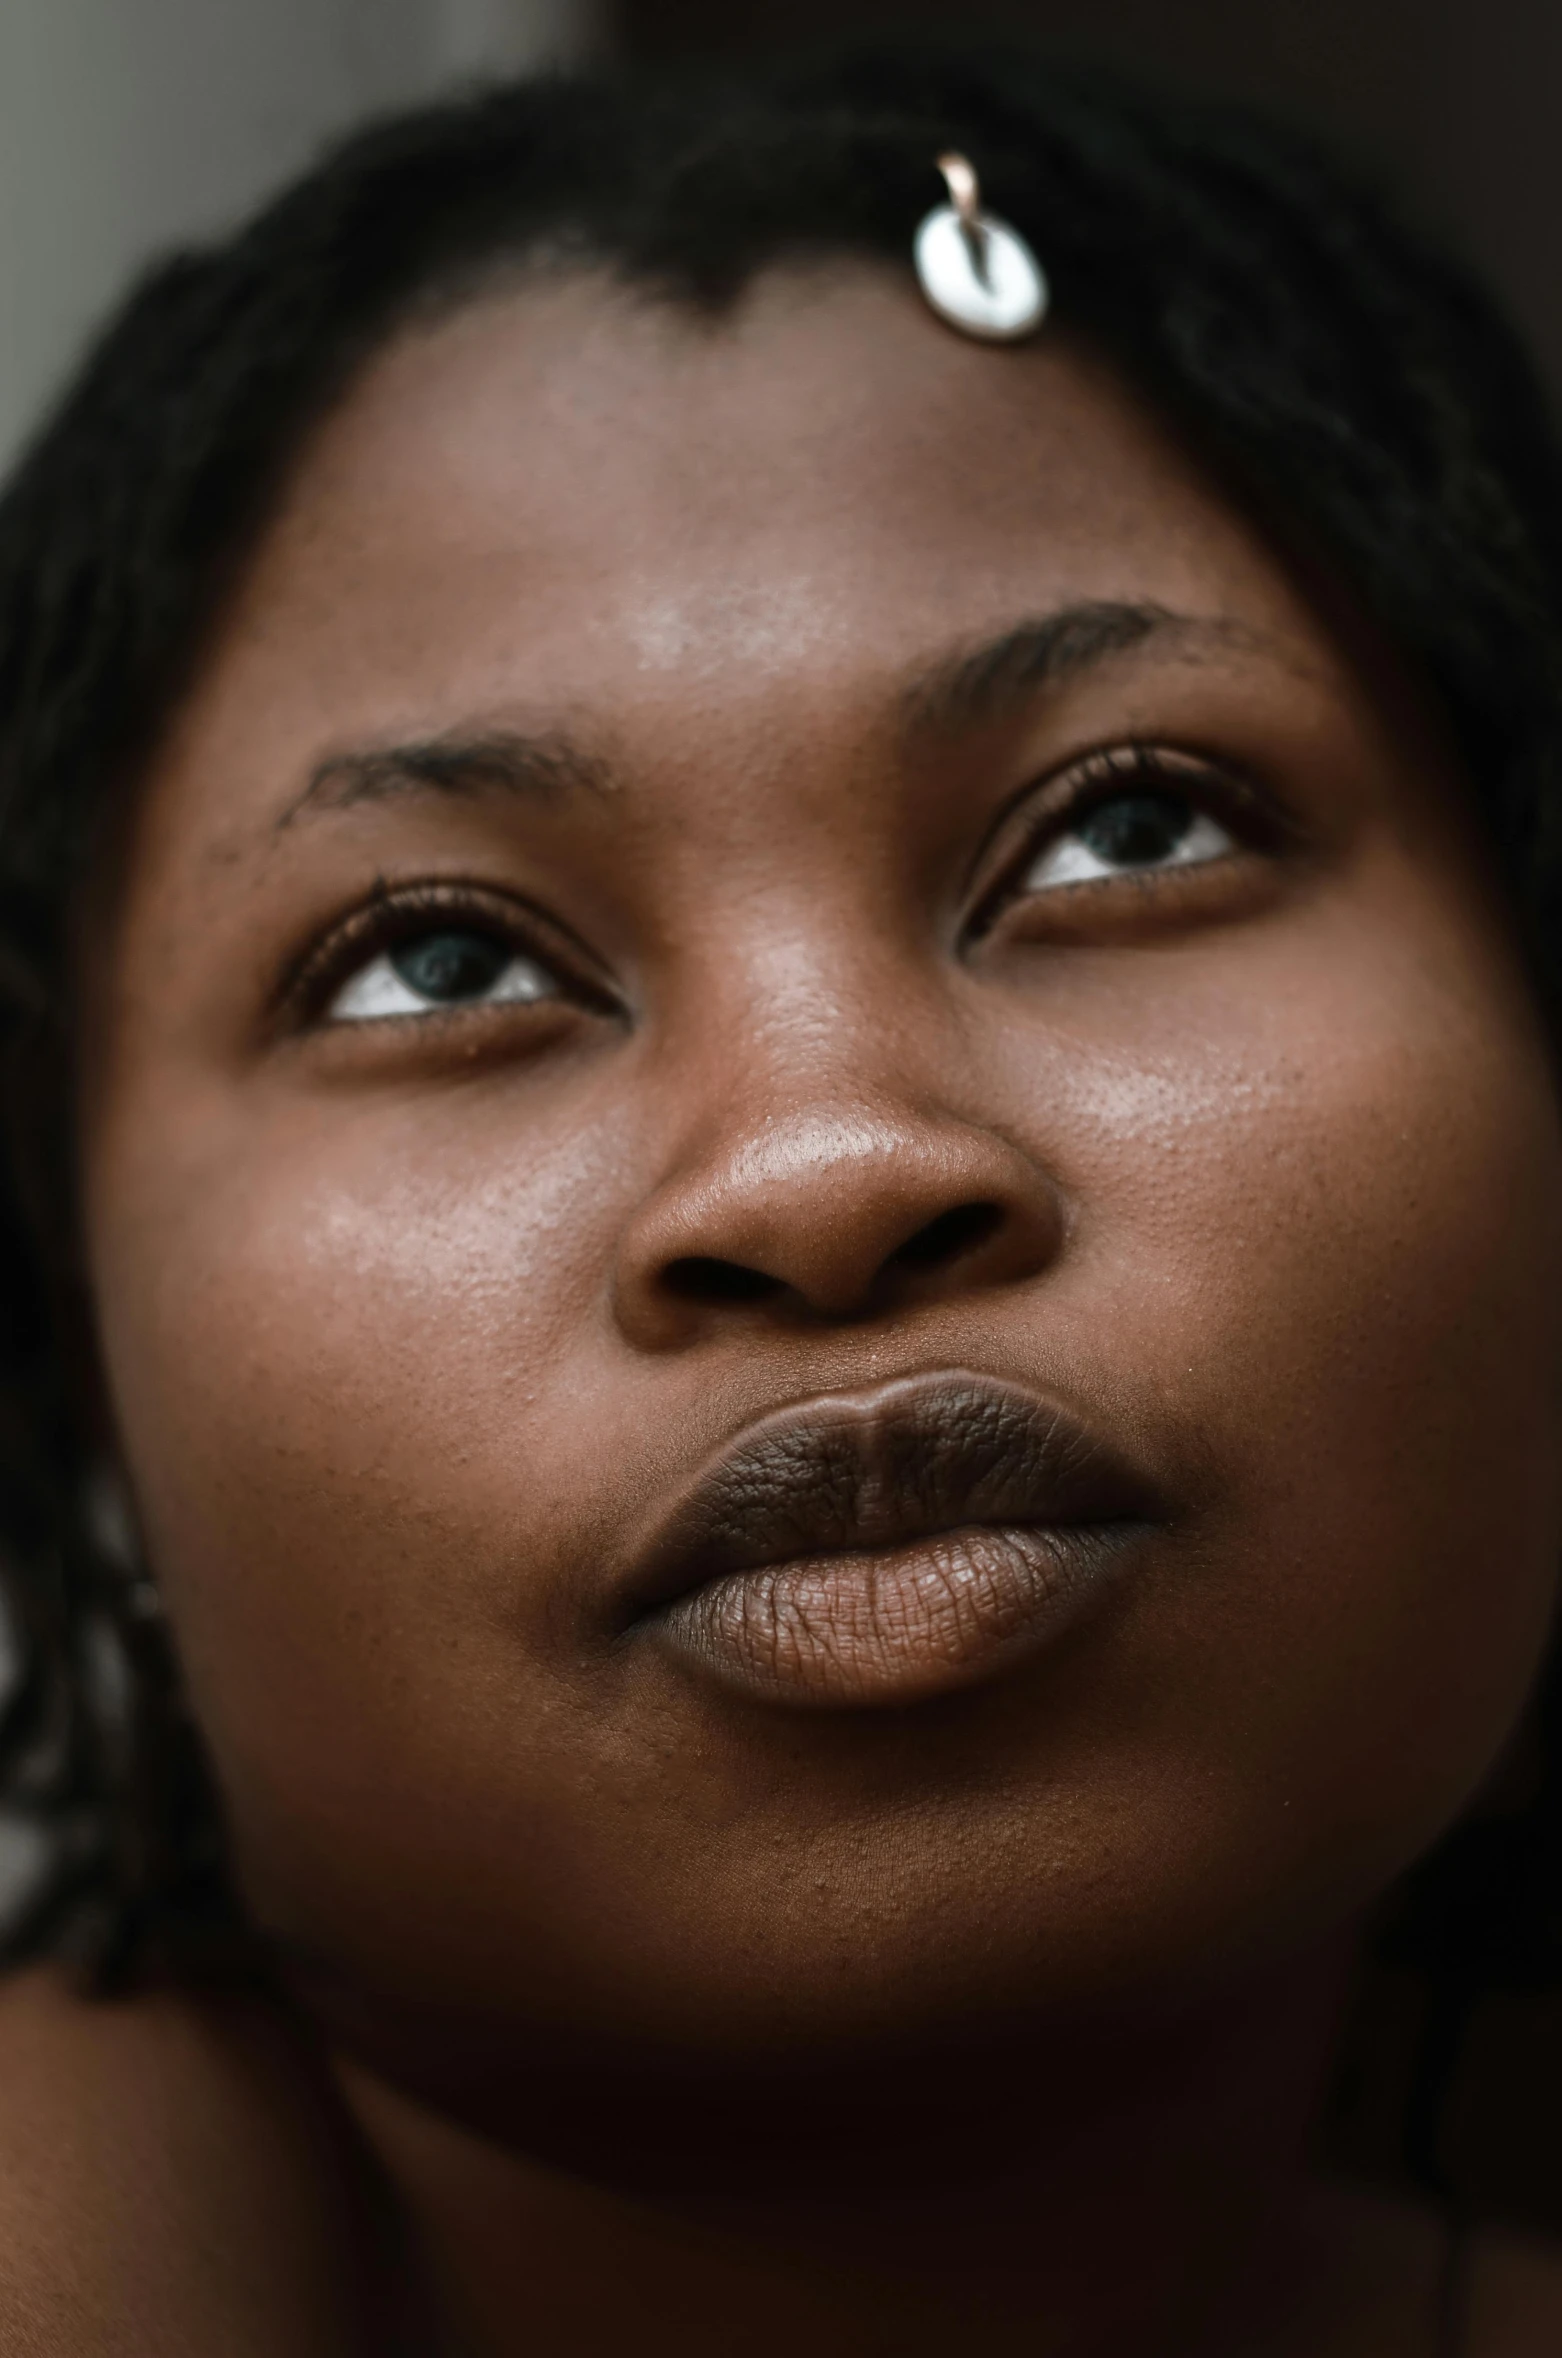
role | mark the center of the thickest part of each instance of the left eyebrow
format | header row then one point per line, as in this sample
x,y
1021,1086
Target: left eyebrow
x,y
992,681
538,768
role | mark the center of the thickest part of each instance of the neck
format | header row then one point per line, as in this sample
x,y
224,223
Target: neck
x,y
1119,2192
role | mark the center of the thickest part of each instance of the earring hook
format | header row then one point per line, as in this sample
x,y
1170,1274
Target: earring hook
x,y
965,199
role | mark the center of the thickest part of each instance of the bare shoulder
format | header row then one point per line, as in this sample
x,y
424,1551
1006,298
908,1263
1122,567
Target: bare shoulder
x,y
1515,2296
169,2182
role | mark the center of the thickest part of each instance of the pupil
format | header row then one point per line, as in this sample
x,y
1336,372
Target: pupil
x,y
1137,830
450,966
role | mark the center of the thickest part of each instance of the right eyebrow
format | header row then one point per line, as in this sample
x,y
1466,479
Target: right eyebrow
x,y
988,682
538,768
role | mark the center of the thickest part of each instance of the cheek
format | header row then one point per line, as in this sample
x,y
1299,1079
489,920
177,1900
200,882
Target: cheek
x,y
352,1355
1321,1226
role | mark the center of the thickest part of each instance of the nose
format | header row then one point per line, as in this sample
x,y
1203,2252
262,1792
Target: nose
x,y
833,1212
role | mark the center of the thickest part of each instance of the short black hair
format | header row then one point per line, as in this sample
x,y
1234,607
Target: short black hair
x,y
1354,379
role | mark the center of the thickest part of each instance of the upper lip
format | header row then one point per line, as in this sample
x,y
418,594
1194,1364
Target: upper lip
x,y
854,1472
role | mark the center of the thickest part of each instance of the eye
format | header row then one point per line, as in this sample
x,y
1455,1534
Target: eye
x,y
448,966
1147,829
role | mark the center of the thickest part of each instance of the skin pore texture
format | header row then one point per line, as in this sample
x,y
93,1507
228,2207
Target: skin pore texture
x,y
889,1956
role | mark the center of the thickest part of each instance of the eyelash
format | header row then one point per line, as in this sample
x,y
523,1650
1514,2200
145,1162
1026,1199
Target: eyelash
x,y
397,914
394,915
1066,803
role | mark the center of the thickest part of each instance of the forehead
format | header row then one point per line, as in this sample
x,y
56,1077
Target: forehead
x,y
574,494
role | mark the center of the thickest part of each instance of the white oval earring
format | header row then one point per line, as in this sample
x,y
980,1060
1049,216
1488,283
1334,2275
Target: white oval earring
x,y
977,272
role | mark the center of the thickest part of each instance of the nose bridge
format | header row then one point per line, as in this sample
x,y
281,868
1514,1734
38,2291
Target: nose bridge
x,y
827,1061
810,983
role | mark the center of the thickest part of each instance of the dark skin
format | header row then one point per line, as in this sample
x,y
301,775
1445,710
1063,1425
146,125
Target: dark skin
x,y
957,904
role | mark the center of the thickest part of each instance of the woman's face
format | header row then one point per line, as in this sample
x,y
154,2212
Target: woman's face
x,y
827,1215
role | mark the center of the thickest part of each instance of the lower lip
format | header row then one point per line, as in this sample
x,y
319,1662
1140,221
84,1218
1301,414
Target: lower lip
x,y
895,1625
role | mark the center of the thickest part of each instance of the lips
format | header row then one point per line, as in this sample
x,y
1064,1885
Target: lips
x,y
878,1548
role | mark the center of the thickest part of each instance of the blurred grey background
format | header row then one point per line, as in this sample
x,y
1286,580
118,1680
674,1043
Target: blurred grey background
x,y
127,124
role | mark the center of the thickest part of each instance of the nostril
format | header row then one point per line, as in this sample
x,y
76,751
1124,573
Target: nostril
x,y
699,1277
946,1238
